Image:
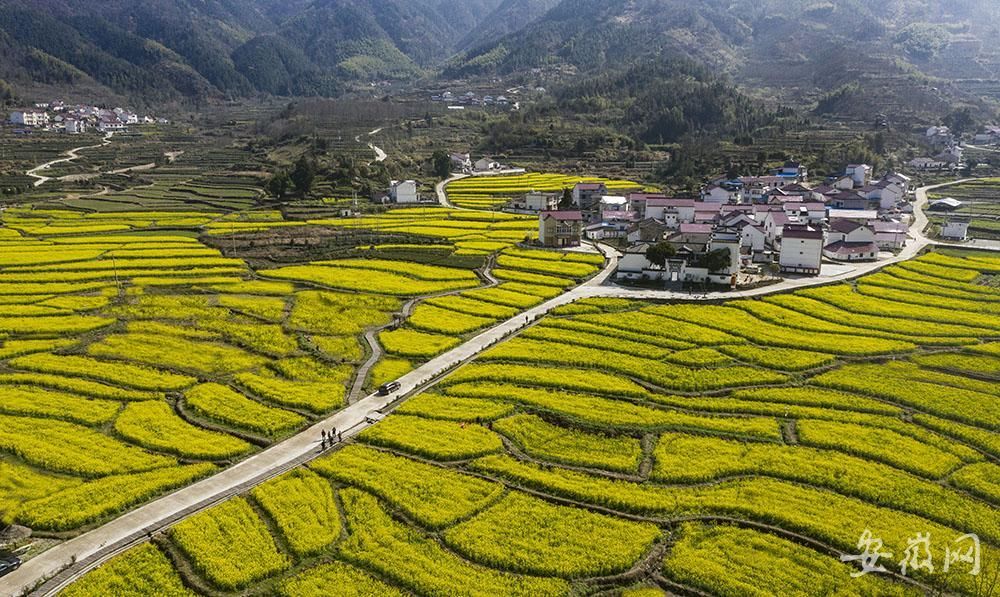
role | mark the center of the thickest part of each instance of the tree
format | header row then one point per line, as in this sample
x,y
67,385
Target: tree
x,y
960,121
970,168
716,260
303,175
442,164
659,253
279,184
566,202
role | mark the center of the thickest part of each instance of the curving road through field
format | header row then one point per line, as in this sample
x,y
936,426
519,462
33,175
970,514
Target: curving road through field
x,y
71,155
67,561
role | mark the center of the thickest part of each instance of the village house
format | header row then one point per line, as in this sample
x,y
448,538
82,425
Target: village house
x,y
29,118
637,201
720,194
753,238
692,239
74,127
848,200
801,249
793,170
850,241
613,225
649,230
885,192
111,125
461,162
989,136
535,201
955,230
611,203
403,191
672,212
861,174
927,163
861,216
707,213
774,222
900,179
757,188
890,235
587,195
951,155
560,228
486,165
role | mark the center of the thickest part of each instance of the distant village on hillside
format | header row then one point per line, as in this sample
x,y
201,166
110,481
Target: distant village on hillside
x,y
76,119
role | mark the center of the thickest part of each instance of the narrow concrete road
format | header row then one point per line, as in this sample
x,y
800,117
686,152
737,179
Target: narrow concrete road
x,y
442,191
71,155
91,548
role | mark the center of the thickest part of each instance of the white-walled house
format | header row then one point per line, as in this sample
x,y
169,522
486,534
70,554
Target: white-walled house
x,y
404,191
955,231
719,194
752,236
587,195
75,127
29,118
889,235
486,165
859,173
774,223
672,212
801,249
900,179
535,201
850,241
886,192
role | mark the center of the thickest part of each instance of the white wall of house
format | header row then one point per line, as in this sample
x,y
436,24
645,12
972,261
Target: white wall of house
x,y
753,238
404,191
801,254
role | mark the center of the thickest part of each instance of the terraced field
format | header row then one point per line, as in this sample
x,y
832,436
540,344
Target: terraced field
x,y
981,199
624,447
136,359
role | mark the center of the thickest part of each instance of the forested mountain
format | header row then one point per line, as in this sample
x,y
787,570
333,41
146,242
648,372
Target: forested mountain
x,y
511,16
161,50
166,50
796,49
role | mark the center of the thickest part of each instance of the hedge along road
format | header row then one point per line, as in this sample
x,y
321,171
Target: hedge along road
x,y
76,556
71,155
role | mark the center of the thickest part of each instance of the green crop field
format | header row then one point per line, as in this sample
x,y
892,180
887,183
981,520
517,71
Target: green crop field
x,y
621,447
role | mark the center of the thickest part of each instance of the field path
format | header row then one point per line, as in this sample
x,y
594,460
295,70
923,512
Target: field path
x,y
65,562
71,155
380,155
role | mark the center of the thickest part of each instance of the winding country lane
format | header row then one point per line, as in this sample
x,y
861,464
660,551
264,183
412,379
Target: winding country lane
x,y
71,155
65,562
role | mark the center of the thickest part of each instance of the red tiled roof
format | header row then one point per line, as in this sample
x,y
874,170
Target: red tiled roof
x,y
664,202
646,196
844,226
802,232
563,216
842,248
696,228
882,226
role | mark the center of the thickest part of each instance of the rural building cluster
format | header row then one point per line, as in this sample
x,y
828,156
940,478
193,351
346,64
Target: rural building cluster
x,y
76,119
749,225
